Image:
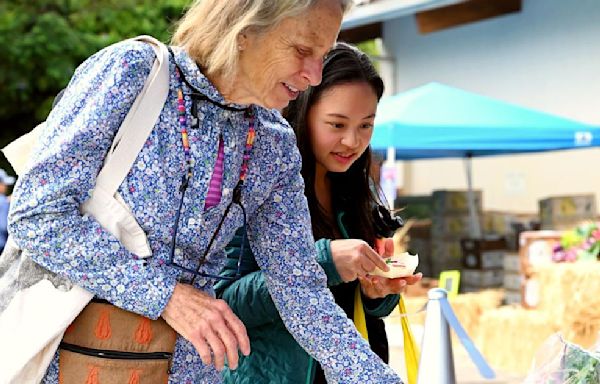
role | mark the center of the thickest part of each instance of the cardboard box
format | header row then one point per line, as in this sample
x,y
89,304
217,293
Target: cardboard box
x,y
483,260
482,253
511,262
451,226
567,207
446,250
414,206
512,281
564,223
498,223
482,278
455,202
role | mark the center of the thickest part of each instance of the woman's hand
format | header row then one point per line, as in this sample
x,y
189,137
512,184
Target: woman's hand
x,y
355,258
209,324
375,287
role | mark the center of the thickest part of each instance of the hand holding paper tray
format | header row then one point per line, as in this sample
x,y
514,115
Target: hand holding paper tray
x,y
401,265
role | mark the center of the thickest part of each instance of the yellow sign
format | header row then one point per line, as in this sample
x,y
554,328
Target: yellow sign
x,y
450,281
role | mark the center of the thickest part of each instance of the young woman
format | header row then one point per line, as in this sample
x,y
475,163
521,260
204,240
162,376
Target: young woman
x,y
333,123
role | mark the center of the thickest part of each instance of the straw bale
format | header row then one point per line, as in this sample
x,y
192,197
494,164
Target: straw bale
x,y
510,336
468,307
569,293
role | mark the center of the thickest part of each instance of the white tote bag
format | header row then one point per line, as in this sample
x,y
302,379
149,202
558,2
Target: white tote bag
x,y
36,305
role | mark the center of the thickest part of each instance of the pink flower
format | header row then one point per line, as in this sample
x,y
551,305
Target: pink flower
x,y
571,255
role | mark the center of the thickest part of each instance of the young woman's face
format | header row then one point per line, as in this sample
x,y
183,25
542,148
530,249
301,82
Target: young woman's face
x,y
340,125
277,65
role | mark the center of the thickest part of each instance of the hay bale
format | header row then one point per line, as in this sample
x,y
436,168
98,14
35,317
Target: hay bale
x,y
510,336
569,293
468,307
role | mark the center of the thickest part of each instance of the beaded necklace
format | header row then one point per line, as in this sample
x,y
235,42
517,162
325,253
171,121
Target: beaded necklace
x,y
186,143
237,191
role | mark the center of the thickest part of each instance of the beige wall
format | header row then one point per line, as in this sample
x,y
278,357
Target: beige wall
x,y
511,183
546,57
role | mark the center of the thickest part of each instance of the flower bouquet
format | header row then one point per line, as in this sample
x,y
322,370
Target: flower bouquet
x,y
579,244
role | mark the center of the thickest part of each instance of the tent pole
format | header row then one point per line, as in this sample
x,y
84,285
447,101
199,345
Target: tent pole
x,y
475,229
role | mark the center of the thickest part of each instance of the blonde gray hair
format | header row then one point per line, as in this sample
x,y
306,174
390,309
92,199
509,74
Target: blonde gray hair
x,y
210,28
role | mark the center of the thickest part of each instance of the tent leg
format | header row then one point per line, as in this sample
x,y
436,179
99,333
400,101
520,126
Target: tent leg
x,y
475,230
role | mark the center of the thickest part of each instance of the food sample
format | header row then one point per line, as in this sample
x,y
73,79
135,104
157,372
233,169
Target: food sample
x,y
401,265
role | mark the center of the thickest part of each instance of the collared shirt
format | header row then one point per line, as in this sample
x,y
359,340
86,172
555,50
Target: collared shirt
x,y
46,221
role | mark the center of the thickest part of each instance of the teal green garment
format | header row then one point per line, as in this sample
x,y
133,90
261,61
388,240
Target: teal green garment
x,y
275,356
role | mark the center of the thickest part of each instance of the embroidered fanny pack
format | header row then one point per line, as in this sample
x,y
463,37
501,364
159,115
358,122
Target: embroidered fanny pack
x,y
106,344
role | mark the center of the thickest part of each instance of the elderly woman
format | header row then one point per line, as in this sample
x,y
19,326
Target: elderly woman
x,y
219,156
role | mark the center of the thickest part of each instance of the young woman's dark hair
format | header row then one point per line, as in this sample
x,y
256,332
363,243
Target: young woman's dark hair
x,y
352,191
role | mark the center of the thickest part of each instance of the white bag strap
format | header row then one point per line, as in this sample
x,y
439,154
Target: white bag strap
x,y
139,122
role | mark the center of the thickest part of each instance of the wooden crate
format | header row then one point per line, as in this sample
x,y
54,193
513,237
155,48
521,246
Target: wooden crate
x,y
482,253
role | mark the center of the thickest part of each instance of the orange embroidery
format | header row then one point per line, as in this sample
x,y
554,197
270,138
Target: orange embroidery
x,y
92,375
134,378
143,333
103,330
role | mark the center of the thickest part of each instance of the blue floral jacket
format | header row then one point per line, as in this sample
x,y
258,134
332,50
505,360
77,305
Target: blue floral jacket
x,y
45,217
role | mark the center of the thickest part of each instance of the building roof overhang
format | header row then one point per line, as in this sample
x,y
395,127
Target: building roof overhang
x,y
378,11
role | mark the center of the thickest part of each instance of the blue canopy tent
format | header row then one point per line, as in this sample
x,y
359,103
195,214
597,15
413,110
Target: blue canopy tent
x,y
439,121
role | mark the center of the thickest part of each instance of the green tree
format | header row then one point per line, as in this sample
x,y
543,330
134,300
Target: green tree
x,y
43,41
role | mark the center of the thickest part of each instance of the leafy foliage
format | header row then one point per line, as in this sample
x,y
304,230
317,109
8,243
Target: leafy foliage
x,y
43,41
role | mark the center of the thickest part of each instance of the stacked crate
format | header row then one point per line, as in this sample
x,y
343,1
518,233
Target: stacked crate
x,y
536,248
420,243
566,212
482,263
513,278
450,222
501,224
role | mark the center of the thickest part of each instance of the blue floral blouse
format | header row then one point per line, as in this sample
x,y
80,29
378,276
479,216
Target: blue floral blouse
x,y
45,219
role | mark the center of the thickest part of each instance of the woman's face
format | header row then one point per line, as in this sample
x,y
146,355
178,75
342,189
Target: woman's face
x,y
340,125
276,65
